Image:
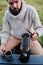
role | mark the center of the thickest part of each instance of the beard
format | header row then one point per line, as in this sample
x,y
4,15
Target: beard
x,y
14,11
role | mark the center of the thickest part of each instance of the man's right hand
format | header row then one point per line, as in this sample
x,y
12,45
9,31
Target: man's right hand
x,y
2,48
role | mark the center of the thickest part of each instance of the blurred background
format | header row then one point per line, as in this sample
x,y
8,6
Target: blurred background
x,y
38,4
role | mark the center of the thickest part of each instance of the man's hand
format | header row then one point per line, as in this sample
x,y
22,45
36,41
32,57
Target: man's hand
x,y
34,36
2,48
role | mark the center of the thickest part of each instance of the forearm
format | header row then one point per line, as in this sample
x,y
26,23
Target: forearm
x,y
39,31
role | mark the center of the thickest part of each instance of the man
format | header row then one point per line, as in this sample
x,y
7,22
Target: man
x,y
18,17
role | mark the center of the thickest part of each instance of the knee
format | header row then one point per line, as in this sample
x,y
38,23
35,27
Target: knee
x,y
36,48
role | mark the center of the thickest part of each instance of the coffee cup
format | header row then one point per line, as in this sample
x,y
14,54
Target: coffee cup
x,y
8,56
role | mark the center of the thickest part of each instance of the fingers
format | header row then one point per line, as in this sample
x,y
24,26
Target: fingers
x,y
2,49
1,52
34,36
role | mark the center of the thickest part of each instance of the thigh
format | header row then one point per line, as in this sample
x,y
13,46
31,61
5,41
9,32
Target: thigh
x,y
12,42
36,47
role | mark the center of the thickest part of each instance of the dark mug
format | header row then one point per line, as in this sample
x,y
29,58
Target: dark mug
x,y
8,56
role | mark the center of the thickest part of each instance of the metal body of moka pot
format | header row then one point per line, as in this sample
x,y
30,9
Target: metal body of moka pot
x,y
25,54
